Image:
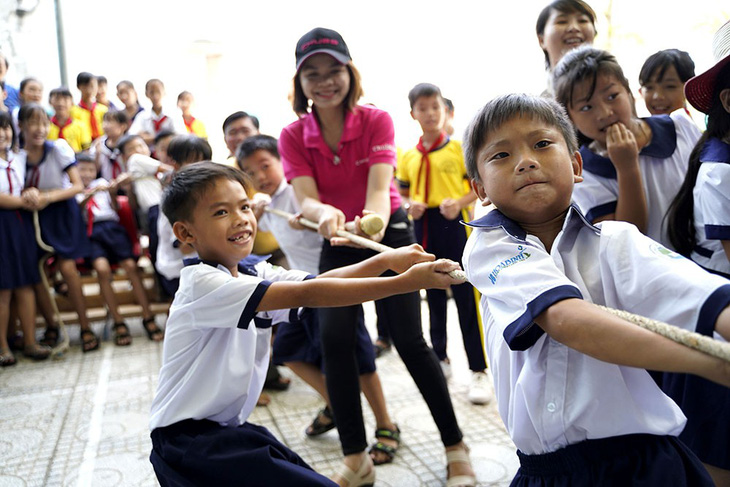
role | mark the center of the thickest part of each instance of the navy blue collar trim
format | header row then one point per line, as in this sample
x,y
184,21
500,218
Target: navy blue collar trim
x,y
715,150
663,144
496,219
246,265
663,137
47,147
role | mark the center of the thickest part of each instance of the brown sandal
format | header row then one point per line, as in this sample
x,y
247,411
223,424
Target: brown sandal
x,y
89,341
153,331
122,338
7,359
37,352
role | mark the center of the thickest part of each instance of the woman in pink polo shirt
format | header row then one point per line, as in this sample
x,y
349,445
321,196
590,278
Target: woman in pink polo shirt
x,y
340,157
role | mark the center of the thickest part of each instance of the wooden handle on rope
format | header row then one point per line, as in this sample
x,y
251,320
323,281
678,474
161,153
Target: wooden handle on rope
x,y
361,241
703,343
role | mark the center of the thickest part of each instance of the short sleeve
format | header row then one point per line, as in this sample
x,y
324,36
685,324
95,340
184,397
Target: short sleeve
x,y
66,155
272,274
293,153
595,196
140,165
382,140
518,279
712,199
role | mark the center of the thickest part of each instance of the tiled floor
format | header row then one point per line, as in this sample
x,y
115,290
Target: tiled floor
x,y
82,420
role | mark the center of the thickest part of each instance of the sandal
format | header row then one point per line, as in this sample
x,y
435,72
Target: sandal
x,y
7,359
89,341
318,426
51,336
459,456
122,338
37,352
364,477
381,346
379,446
153,331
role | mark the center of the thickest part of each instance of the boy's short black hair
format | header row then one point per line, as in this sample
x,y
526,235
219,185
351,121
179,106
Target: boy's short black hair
x,y
119,116
183,94
563,6
256,143
61,91
126,139
238,115
184,149
102,80
85,156
162,134
188,184
84,78
586,63
502,109
152,81
449,104
659,62
423,90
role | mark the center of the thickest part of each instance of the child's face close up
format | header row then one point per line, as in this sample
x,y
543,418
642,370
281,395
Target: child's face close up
x,y
155,93
127,96
238,131
161,149
135,146
610,103
35,131
113,129
223,226
526,170
565,31
62,106
265,170
324,81
89,90
665,95
101,92
6,137
185,103
32,92
87,171
429,112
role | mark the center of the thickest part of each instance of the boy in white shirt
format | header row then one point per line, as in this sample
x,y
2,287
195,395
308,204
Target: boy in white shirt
x,y
216,348
569,376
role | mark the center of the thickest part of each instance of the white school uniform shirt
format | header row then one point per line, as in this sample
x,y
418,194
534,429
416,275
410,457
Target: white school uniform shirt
x,y
50,173
12,175
712,207
216,349
169,260
663,164
110,160
101,208
301,247
145,122
146,186
549,395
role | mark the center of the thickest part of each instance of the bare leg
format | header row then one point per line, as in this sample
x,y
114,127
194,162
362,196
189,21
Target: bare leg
x,y
140,294
104,273
5,295
312,375
26,313
720,476
43,299
373,390
71,276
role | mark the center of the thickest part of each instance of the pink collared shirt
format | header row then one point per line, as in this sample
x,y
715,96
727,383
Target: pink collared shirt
x,y
341,177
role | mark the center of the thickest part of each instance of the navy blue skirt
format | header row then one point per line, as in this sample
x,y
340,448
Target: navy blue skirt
x,y
300,342
635,460
203,453
18,259
109,239
63,228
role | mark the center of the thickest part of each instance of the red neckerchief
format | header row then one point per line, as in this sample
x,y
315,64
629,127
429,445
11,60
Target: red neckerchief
x,y
189,125
54,120
90,205
158,123
10,173
425,162
95,132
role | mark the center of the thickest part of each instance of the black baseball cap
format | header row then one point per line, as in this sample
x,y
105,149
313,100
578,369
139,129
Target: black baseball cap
x,y
321,40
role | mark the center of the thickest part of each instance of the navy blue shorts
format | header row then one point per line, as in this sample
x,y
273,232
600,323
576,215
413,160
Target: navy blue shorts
x,y
635,460
109,239
300,342
63,228
203,453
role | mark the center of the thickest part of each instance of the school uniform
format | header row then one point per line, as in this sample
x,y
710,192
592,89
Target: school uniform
x,y
111,165
431,177
571,415
169,259
663,164
299,342
108,238
712,207
71,131
90,116
200,434
17,236
154,123
195,127
62,226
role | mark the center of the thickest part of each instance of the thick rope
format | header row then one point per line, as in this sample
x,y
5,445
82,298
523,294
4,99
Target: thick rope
x,y
63,344
690,339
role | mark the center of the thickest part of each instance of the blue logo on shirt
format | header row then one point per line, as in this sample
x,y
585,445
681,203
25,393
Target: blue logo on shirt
x,y
521,256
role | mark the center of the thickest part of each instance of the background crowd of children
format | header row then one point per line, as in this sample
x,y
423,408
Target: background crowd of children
x,y
95,174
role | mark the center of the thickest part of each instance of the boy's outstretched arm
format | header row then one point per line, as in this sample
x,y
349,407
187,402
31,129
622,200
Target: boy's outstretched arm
x,y
398,260
584,327
332,292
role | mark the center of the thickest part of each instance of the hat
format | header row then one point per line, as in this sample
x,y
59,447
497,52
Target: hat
x,y
699,89
321,40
